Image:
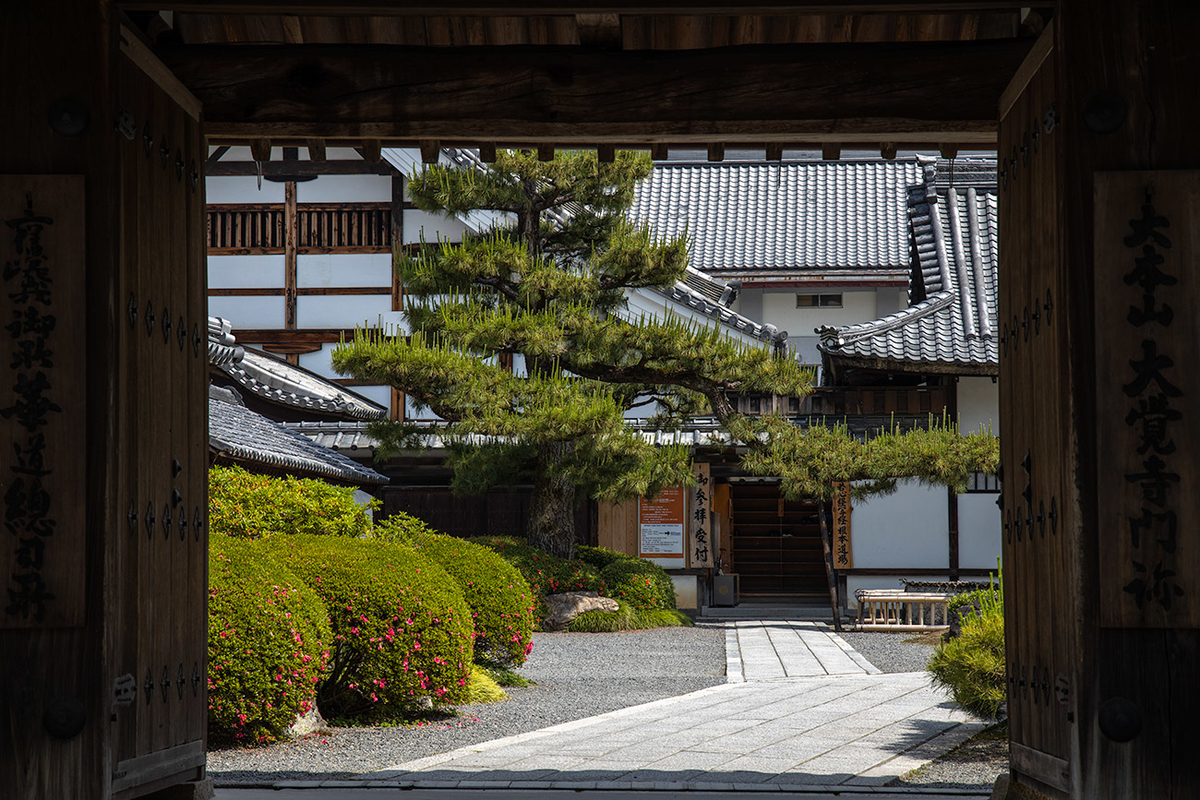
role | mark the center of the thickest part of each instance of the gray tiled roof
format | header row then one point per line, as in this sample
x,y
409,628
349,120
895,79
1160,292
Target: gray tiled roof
x,y
222,346
954,328
238,434
776,218
276,380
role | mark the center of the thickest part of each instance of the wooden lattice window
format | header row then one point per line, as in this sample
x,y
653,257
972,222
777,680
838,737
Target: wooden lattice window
x,y
239,228
320,228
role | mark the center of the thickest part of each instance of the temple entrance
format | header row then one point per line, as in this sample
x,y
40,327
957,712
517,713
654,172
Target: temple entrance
x,y
775,544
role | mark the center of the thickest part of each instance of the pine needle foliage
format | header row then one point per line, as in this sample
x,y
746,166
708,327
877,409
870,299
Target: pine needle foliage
x,y
547,287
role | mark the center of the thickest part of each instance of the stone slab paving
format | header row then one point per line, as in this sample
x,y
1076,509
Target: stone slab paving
x,y
814,718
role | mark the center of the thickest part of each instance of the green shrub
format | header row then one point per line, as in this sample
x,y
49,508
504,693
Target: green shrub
x,y
638,582
401,628
971,666
483,687
502,602
599,557
627,618
268,643
253,506
545,574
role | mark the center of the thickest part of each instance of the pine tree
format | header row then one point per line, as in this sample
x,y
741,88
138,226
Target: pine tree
x,y
546,289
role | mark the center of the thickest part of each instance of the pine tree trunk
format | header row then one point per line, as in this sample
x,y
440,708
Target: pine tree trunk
x,y
552,507
826,546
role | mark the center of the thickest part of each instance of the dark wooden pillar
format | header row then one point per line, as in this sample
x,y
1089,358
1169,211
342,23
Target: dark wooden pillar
x,y
1099,236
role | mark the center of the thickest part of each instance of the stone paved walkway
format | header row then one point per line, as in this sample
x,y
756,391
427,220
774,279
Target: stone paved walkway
x,y
801,710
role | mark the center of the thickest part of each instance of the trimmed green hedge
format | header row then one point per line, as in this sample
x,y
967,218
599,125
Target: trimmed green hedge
x,y
268,643
252,506
501,600
642,584
401,628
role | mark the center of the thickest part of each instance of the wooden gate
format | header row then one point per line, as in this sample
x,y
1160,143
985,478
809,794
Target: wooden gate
x,y
103,425
1039,517
161,556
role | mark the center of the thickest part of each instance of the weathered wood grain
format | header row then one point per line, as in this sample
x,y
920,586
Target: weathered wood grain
x,y
934,92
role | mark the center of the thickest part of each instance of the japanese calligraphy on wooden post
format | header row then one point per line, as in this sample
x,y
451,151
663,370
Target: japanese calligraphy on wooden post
x,y
1147,385
42,540
843,551
701,544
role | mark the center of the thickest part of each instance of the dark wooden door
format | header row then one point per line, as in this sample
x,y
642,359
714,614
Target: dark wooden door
x,y
776,543
160,557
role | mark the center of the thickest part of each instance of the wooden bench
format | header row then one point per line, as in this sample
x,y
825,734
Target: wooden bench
x,y
895,610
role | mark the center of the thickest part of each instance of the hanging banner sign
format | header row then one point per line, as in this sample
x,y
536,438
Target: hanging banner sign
x,y
660,524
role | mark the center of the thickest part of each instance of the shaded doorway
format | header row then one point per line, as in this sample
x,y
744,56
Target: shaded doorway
x,y
775,544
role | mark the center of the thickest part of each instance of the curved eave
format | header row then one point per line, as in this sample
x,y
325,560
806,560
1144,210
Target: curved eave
x,y
965,368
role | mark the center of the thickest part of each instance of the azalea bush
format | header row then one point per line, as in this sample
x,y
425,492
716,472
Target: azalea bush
x,y
252,506
971,665
545,574
641,583
268,643
501,600
401,629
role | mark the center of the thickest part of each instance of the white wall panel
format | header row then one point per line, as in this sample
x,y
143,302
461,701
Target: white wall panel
x,y
421,225
346,189
979,531
379,394
245,272
341,311
241,189
343,269
978,405
320,361
779,309
905,529
248,312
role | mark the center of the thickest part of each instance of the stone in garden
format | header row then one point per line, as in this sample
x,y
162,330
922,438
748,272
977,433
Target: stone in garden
x,y
309,723
562,608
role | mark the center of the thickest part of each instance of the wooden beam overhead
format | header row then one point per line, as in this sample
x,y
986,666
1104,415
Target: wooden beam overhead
x,y
431,150
545,152
831,151
606,153
489,8
297,169
853,93
372,151
316,150
716,152
260,149
487,153
774,151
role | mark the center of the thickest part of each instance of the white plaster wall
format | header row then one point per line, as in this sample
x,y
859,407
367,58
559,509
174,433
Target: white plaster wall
x,y
422,226
241,189
343,269
345,189
779,309
341,311
380,394
978,405
248,312
979,531
321,362
905,529
245,272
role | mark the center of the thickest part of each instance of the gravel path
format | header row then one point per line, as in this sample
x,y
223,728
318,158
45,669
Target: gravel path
x,y
578,675
891,652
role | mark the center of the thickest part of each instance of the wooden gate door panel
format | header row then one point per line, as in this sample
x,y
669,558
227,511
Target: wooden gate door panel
x,y
162,560
1038,509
